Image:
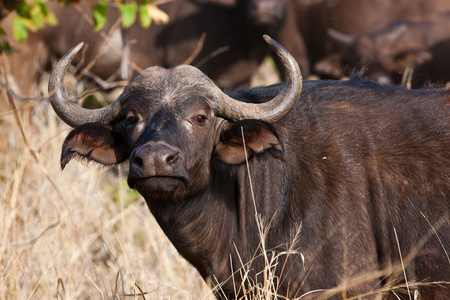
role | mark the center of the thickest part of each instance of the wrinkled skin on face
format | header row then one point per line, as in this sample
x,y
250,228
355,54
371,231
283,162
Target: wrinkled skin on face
x,y
161,163
169,133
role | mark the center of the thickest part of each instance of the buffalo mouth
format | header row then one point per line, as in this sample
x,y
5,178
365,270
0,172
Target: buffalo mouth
x,y
159,185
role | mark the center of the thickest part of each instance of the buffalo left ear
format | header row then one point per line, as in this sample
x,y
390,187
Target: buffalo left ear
x,y
259,137
97,142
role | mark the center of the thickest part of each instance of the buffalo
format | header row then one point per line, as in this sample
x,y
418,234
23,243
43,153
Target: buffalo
x,y
224,41
312,189
330,58
421,45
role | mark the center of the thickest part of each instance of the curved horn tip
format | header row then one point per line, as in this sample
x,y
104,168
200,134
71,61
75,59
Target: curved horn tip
x,y
273,43
79,46
268,39
61,67
75,49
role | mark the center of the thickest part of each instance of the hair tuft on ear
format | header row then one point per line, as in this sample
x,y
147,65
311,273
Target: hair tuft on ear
x,y
259,137
95,142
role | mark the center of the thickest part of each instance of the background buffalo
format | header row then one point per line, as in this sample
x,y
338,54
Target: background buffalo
x,y
223,40
81,233
330,56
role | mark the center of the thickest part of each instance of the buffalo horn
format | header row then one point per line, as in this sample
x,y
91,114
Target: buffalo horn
x,y
274,109
344,39
66,107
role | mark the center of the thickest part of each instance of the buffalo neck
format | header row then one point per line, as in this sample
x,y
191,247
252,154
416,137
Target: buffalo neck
x,y
216,230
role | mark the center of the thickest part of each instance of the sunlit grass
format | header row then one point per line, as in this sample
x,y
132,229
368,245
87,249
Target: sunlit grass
x,y
78,233
82,233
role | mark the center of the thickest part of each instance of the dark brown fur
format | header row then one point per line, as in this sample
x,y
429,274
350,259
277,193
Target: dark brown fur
x,y
230,53
420,45
330,58
362,170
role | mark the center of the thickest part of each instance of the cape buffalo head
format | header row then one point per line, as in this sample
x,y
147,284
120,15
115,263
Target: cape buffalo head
x,y
267,13
170,124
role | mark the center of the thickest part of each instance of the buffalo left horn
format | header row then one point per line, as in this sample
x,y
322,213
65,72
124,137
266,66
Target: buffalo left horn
x,y
274,109
66,107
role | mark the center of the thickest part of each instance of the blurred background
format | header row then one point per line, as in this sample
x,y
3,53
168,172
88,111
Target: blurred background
x,y
83,233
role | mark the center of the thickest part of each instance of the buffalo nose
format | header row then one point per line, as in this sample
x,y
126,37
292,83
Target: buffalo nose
x,y
156,157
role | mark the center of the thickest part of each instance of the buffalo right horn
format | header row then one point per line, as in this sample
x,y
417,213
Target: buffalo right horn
x,y
274,109
66,107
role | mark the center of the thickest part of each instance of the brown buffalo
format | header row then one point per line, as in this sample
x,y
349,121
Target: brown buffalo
x,y
317,18
421,45
352,179
224,41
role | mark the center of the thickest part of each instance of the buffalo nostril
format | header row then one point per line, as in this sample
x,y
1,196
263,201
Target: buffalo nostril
x,y
172,158
151,157
138,161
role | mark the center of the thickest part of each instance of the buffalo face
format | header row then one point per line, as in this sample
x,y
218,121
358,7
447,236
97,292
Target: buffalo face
x,y
171,130
267,13
172,124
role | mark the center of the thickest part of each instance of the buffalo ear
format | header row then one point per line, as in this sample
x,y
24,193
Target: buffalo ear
x,y
259,137
330,65
97,142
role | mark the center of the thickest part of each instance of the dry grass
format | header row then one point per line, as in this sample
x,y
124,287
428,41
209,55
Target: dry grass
x,y
82,234
77,234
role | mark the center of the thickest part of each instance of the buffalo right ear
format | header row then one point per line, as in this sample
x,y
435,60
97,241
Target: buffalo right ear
x,y
97,142
259,137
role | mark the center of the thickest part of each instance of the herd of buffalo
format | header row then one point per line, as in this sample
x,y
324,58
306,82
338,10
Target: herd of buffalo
x,y
350,178
330,38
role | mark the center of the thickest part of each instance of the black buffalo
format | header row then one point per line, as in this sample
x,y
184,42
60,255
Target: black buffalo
x,y
421,45
346,193
329,57
224,41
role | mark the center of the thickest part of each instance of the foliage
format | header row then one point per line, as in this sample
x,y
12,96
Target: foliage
x,y
5,46
63,235
30,15
99,11
129,10
122,193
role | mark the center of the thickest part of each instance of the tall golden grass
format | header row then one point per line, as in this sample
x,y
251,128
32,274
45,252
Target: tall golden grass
x,y
77,234
83,234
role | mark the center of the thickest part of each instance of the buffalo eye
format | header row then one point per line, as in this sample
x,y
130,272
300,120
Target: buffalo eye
x,y
131,120
200,119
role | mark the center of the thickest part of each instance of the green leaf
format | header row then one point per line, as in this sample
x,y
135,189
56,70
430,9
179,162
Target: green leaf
x,y
37,16
5,47
99,10
28,24
144,17
51,19
128,12
23,10
19,30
